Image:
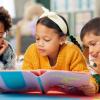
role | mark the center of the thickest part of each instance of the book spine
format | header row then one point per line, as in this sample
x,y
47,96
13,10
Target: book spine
x,y
41,86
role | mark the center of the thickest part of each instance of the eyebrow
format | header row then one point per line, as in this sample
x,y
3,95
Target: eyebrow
x,y
92,41
43,36
84,46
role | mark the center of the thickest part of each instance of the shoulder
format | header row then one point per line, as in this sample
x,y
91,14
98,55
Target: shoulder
x,y
31,49
9,49
71,49
73,52
9,52
71,46
32,53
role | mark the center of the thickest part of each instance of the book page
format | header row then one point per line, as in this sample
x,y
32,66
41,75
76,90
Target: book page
x,y
63,79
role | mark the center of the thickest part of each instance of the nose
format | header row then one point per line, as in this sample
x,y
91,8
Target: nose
x,y
40,43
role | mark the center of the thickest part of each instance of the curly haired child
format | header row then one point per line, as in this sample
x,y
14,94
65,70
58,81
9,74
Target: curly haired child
x,y
7,55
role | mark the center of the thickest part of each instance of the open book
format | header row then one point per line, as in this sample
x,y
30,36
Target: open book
x,y
41,80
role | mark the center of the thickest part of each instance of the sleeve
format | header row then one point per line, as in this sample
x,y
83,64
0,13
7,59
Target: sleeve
x,y
9,59
30,59
1,65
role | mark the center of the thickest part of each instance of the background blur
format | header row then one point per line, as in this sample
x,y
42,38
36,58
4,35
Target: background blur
x,y
25,13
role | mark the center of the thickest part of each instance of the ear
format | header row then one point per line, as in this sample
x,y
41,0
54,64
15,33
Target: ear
x,y
5,34
62,40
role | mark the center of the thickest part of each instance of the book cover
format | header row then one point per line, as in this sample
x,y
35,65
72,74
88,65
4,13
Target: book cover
x,y
41,80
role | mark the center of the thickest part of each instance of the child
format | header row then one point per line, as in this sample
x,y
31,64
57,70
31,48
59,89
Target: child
x,y
6,52
90,36
52,52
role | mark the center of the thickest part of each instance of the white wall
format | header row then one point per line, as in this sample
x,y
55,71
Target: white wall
x,y
9,5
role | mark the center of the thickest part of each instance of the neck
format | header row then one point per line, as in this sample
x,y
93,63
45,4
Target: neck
x,y
52,61
53,58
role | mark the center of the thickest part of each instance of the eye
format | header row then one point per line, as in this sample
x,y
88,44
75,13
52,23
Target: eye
x,y
92,44
47,40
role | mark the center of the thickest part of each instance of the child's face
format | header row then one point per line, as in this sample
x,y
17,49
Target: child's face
x,y
1,29
47,40
93,42
1,32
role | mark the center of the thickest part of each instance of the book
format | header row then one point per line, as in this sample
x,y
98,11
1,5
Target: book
x,y
41,80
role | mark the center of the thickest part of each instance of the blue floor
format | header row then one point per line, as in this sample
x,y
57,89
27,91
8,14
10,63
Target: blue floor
x,y
32,97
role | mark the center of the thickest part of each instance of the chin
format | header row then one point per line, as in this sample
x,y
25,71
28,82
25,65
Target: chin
x,y
43,54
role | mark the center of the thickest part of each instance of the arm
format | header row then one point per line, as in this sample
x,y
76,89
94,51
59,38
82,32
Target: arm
x,y
31,60
78,64
27,65
9,59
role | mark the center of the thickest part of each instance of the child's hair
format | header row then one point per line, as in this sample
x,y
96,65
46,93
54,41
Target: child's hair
x,y
5,19
92,26
51,24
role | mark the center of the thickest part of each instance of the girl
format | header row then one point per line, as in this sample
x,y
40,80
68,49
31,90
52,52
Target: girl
x,y
51,51
90,36
6,52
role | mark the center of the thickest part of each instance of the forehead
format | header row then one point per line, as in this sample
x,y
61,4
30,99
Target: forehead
x,y
90,38
45,31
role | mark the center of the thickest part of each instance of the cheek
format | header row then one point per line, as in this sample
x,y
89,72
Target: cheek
x,y
52,46
97,48
86,40
53,42
49,46
99,54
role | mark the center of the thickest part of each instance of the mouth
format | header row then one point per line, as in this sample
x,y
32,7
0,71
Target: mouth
x,y
96,56
41,50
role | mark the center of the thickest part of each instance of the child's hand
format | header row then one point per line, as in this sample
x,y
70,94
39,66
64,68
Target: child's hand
x,y
3,46
89,90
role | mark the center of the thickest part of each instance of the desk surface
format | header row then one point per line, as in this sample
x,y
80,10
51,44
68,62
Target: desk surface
x,y
18,96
